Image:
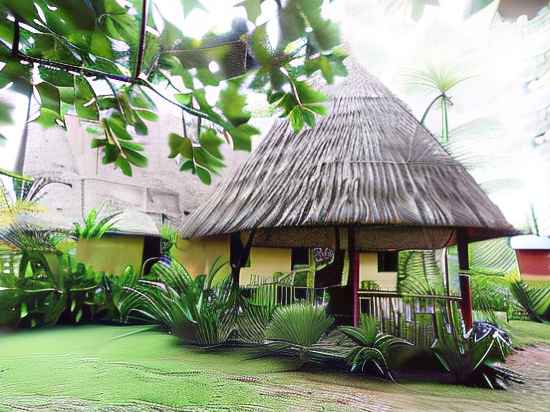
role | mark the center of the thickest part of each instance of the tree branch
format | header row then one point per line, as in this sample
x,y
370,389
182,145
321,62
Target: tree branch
x,y
16,36
430,107
103,75
142,31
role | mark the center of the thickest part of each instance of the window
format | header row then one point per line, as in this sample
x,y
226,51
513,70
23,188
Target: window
x,y
299,256
387,261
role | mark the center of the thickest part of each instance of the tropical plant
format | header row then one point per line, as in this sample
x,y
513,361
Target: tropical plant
x,y
96,224
535,301
60,51
296,328
191,308
419,273
370,347
169,237
109,296
63,291
473,358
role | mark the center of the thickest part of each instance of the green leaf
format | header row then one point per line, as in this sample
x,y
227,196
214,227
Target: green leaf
x,y
253,9
296,118
124,165
18,74
78,13
242,136
85,99
101,45
207,78
184,98
204,175
180,145
260,46
21,8
211,142
232,103
50,106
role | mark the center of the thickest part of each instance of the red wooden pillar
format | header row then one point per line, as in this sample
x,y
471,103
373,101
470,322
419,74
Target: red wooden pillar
x,y
354,275
464,267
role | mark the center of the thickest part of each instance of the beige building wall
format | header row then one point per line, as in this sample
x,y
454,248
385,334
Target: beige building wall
x,y
368,270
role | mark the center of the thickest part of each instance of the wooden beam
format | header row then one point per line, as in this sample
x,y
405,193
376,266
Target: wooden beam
x,y
354,275
240,254
464,278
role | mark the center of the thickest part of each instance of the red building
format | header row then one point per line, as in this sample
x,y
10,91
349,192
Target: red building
x,y
533,253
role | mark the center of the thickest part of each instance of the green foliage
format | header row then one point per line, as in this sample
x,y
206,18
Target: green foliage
x,y
95,225
169,238
472,360
296,328
191,308
419,273
370,347
535,301
75,45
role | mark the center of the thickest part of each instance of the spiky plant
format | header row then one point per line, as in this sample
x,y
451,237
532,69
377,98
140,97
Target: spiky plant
x,y
370,347
535,301
191,308
96,224
296,328
473,359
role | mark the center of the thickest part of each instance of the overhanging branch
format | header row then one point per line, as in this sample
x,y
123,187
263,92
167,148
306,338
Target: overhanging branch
x,y
104,75
142,31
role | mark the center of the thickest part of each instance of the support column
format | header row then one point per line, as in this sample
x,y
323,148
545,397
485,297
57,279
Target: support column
x,y
354,275
464,278
239,254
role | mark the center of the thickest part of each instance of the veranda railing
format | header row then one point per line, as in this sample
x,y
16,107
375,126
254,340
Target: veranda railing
x,y
408,316
9,262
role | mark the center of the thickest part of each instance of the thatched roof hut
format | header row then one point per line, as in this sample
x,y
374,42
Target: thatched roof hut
x,y
369,165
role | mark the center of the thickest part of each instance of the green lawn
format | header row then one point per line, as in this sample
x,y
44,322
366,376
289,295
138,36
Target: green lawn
x,y
529,333
119,368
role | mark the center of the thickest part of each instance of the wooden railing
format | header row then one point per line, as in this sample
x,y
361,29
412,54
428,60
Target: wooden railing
x,y
408,316
9,262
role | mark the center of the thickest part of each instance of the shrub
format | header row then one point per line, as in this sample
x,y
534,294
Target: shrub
x,y
473,358
296,328
370,347
191,308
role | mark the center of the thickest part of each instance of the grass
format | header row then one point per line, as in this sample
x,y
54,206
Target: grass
x,y
525,333
115,365
126,368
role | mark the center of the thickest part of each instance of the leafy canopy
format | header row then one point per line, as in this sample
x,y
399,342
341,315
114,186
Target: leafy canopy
x,y
104,60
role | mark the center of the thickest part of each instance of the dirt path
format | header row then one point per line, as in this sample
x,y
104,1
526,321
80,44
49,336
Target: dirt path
x,y
321,392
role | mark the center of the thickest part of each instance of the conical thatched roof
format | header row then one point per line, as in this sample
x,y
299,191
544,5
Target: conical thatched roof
x,y
368,164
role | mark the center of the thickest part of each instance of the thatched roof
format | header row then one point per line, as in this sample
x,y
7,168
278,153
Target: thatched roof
x,y
368,164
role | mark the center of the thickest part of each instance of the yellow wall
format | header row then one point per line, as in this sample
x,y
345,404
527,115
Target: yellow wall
x,y
264,262
111,254
368,270
197,255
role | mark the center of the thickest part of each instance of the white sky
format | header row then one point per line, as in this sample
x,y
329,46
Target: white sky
x,y
386,48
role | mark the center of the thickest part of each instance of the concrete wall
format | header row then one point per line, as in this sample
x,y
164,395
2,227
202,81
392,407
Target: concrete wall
x,y
111,254
368,270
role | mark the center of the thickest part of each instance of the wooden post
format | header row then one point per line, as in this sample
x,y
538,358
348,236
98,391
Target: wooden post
x,y
354,275
240,254
464,278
